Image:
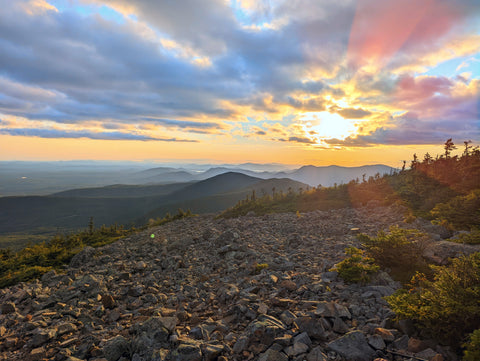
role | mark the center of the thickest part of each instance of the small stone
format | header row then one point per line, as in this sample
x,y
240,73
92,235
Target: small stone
x,y
401,343
317,355
272,355
240,345
415,345
64,328
187,352
108,301
339,326
288,285
297,349
312,326
211,352
353,347
303,338
115,347
8,307
10,342
287,317
385,334
199,333
36,354
41,337
376,341
427,354
262,308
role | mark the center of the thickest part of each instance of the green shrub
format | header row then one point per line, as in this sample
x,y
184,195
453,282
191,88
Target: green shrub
x,y
472,237
357,267
260,266
446,308
472,347
400,251
461,212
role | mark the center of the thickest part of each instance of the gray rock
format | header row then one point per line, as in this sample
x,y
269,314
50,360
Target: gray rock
x,y
273,355
376,341
353,347
317,355
241,344
84,256
199,333
41,337
426,354
115,348
297,349
265,329
312,326
187,352
154,328
287,317
440,252
8,307
211,352
303,338
401,343
339,326
227,237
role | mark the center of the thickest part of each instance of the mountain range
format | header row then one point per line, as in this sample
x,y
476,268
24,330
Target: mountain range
x,y
144,193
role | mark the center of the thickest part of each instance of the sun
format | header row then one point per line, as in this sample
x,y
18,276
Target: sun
x,y
325,125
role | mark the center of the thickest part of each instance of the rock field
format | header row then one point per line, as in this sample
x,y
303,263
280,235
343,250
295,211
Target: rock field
x,y
249,288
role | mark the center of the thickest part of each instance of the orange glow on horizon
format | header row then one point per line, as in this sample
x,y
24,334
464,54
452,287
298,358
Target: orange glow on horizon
x,y
233,152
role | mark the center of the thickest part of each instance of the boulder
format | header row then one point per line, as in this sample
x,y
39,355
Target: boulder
x,y
353,347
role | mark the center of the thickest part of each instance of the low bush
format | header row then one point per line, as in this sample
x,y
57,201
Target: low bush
x,y
446,308
462,212
260,266
472,237
472,347
399,251
357,267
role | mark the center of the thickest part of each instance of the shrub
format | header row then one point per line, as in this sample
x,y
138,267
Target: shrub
x,y
472,347
260,266
461,212
400,251
446,308
357,267
473,237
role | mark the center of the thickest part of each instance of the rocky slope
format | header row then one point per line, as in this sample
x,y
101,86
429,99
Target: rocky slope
x,y
197,290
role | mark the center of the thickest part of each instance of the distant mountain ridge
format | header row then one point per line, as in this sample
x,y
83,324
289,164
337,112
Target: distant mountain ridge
x,y
127,204
43,178
312,175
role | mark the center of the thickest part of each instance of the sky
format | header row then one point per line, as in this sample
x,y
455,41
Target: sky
x,y
346,82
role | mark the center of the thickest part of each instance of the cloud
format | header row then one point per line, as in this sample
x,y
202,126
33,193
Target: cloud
x,y
202,67
303,140
353,113
410,130
187,124
56,133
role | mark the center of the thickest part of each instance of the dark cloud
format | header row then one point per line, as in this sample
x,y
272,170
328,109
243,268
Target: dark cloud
x,y
55,133
186,124
353,113
297,140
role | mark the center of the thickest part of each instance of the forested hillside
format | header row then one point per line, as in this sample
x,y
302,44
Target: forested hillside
x,y
445,189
